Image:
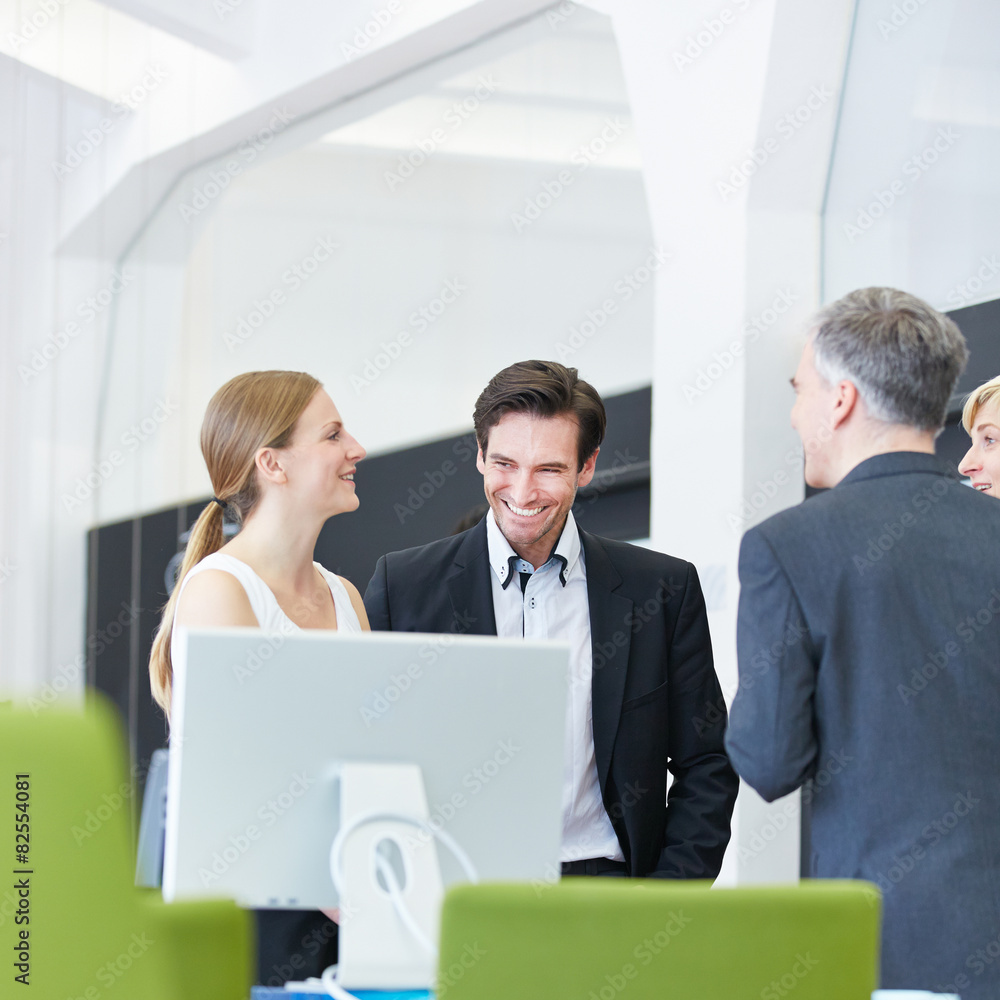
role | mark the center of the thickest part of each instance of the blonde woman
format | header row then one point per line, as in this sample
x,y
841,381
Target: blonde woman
x,y
281,463
981,420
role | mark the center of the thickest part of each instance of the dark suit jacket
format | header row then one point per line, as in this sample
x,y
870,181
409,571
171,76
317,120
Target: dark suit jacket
x,y
869,653
655,694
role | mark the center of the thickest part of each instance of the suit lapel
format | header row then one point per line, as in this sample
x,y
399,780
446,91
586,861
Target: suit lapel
x,y
610,637
470,587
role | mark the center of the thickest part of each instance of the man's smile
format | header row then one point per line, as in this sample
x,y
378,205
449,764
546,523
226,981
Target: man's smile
x,y
524,511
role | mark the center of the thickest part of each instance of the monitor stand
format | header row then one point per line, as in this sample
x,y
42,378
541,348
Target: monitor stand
x,y
385,868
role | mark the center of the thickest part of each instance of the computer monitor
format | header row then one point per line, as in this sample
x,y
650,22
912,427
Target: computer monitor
x,y
261,725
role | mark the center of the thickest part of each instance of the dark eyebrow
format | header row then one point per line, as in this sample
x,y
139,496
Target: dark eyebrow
x,y
495,457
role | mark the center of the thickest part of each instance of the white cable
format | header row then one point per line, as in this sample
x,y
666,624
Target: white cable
x,y
325,985
332,987
328,980
336,850
399,905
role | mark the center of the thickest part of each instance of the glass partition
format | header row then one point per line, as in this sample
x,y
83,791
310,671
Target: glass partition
x,y
912,201
402,246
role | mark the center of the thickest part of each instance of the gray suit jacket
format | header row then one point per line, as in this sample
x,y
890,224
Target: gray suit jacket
x,y
869,656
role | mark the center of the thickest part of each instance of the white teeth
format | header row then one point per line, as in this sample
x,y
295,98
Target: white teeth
x,y
350,478
524,512
982,487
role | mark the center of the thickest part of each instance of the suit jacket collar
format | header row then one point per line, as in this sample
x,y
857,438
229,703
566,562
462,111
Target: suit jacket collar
x,y
610,638
468,582
899,463
471,590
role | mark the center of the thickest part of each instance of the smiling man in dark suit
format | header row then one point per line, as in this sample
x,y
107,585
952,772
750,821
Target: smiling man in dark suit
x,y
869,643
641,656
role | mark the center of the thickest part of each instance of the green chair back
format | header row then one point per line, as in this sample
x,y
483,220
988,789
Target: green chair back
x,y
72,917
593,939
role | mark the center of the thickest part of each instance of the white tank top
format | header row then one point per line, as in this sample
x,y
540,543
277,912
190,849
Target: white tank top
x,y
265,605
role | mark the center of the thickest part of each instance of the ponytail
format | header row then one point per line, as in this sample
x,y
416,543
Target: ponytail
x,y
206,537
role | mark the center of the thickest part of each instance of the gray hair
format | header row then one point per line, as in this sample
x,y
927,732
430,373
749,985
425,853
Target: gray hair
x,y
903,356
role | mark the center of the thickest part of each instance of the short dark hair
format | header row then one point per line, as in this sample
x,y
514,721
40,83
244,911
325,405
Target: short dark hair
x,y
544,389
903,356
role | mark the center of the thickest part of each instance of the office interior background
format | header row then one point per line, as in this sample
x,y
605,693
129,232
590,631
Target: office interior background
x,y
404,196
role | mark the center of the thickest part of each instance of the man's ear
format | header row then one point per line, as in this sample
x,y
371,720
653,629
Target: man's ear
x,y
480,461
845,403
268,462
587,472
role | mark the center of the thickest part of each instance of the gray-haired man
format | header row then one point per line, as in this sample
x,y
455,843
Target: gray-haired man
x,y
869,644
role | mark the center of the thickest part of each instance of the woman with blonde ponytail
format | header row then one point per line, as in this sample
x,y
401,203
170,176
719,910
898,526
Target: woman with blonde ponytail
x,y
281,463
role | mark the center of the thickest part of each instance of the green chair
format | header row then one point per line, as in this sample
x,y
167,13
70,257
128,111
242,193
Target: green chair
x,y
70,917
593,939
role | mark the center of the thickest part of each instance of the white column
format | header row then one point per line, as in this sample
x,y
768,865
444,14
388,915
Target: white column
x,y
735,109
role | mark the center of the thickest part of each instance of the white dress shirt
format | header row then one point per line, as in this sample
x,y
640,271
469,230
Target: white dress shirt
x,y
554,605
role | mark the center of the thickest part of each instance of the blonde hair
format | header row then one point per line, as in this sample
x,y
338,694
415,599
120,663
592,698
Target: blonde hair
x,y
986,393
252,411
